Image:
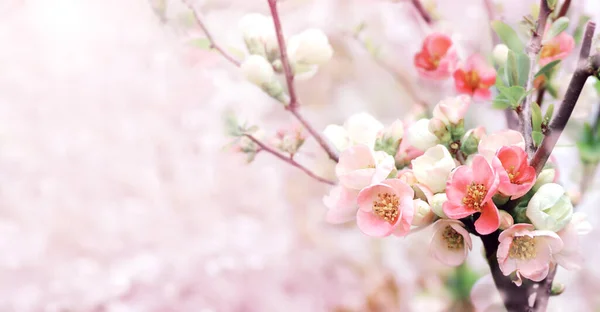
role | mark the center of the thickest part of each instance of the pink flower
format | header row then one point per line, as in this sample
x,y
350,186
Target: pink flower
x,y
516,176
570,256
470,191
450,243
342,205
360,167
557,48
527,251
452,110
385,208
437,58
489,145
475,78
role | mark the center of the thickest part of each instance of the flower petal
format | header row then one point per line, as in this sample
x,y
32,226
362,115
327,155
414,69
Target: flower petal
x,y
489,220
372,225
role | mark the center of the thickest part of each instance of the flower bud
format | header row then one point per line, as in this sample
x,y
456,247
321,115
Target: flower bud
x,y
407,176
433,168
258,70
436,203
419,135
550,208
259,35
471,139
452,110
545,177
439,129
500,54
395,131
574,196
310,47
506,220
423,214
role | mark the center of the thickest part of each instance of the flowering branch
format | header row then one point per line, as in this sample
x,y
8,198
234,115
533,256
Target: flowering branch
x,y
533,49
587,67
213,45
293,104
424,14
288,159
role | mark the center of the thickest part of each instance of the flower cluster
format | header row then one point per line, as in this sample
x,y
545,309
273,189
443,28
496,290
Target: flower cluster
x,y
438,59
461,182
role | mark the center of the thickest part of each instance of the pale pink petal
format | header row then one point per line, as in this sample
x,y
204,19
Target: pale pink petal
x,y
482,171
373,225
401,189
489,220
459,227
454,211
506,266
538,275
459,180
515,229
342,205
355,168
437,44
482,94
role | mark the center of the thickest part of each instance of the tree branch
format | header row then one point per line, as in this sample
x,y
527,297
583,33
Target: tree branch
x,y
294,103
213,44
424,14
564,9
586,68
533,49
287,159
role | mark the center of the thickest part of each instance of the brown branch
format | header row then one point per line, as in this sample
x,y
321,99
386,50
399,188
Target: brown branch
x,y
294,103
424,14
540,96
564,9
533,49
287,159
213,44
587,67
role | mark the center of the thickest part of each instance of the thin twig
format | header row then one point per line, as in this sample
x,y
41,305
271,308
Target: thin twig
x,y
289,160
213,44
564,9
424,14
294,103
587,66
540,96
533,49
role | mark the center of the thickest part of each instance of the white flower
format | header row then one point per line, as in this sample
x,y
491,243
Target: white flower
x,y
500,54
419,135
310,47
570,256
453,109
360,128
395,131
545,177
258,70
259,33
433,168
437,203
423,214
550,208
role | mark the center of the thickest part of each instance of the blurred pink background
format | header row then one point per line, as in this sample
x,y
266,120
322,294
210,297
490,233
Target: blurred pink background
x,y
116,193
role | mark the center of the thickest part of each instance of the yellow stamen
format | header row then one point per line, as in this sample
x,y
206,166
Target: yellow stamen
x,y
523,248
386,207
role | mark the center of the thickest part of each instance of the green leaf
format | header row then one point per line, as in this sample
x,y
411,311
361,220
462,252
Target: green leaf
x,y
232,126
202,43
513,94
536,117
551,4
512,73
556,28
508,36
547,69
552,90
578,33
501,82
523,68
597,86
537,137
501,102
549,113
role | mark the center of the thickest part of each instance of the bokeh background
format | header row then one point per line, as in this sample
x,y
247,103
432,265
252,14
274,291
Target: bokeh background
x,y
117,194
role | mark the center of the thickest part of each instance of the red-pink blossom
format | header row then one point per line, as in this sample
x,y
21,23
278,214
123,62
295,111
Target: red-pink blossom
x,y
470,191
515,174
437,58
475,77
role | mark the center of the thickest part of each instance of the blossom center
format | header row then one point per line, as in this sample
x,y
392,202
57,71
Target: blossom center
x,y
386,207
549,50
453,239
472,79
523,248
475,194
